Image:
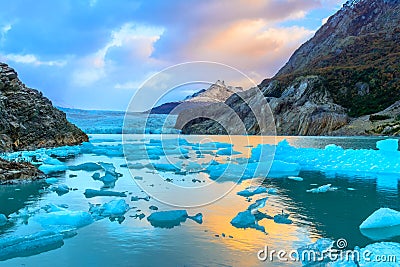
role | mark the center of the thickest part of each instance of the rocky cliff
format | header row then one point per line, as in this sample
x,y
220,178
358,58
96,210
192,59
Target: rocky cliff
x,y
28,120
217,92
343,76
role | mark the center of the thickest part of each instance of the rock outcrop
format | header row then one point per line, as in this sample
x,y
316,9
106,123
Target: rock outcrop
x,y
12,172
348,72
218,92
28,120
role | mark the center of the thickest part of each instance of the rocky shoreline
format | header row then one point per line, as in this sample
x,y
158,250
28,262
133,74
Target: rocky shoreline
x,y
17,172
29,121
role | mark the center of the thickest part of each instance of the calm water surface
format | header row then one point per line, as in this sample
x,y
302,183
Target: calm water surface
x,y
135,242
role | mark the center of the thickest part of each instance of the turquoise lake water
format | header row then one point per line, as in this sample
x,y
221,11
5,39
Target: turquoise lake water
x,y
215,242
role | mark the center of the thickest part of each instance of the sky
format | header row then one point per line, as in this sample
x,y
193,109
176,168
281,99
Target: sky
x,y
95,54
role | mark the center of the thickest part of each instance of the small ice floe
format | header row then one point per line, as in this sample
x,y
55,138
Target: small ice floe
x,y
24,214
251,191
227,152
282,218
49,169
137,198
322,189
51,180
87,166
138,178
114,208
382,224
260,203
28,245
139,216
3,219
351,189
318,249
60,189
152,207
246,219
172,218
89,193
64,217
295,178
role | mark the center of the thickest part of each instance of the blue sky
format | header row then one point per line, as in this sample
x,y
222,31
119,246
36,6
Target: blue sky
x,y
94,54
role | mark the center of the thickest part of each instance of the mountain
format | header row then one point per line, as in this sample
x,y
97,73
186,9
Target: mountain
x,y
342,78
28,120
217,92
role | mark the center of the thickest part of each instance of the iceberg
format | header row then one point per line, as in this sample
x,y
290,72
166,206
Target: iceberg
x,y
3,219
382,224
171,218
282,218
49,169
89,193
73,219
114,208
246,219
87,166
60,189
260,203
252,190
388,145
24,246
322,189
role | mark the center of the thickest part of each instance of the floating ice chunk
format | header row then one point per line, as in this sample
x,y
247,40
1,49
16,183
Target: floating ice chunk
x,y
295,178
252,190
114,208
96,176
24,246
280,168
322,189
388,145
87,166
53,208
272,191
3,219
351,189
136,198
51,180
60,189
52,161
135,166
152,207
171,218
48,169
316,251
390,251
164,167
74,219
194,167
260,203
382,224
197,218
246,219
89,193
282,218
227,152
108,180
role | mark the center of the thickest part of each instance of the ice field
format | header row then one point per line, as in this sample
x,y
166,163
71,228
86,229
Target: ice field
x,y
196,200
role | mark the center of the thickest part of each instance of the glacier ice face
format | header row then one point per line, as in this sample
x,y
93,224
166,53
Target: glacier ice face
x,y
388,145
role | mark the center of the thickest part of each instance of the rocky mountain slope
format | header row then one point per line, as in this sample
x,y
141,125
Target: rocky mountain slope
x,y
336,82
28,120
218,92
